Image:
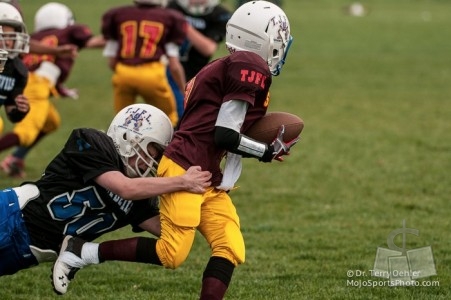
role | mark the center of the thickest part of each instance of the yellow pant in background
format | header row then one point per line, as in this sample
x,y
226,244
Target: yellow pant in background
x,y
42,116
148,81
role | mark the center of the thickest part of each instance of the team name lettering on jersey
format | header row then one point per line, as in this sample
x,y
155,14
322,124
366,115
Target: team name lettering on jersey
x,y
253,76
124,205
7,83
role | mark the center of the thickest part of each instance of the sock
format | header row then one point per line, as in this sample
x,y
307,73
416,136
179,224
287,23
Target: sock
x,y
9,140
90,253
122,250
212,289
21,152
216,278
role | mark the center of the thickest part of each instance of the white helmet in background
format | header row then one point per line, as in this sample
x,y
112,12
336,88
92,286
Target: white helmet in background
x,y
53,15
263,28
152,2
133,129
10,16
197,7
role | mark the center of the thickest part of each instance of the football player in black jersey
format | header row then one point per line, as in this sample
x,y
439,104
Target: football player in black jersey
x,y
14,40
88,188
207,30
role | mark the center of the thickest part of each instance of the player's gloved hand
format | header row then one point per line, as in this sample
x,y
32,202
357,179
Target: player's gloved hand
x,y
281,148
278,148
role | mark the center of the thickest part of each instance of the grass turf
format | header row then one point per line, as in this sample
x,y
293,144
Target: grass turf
x,y
374,95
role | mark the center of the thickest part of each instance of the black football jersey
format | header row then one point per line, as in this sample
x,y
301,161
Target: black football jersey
x,y
12,81
212,25
71,203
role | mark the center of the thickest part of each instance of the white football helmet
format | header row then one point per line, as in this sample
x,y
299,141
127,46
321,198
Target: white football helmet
x,y
152,2
10,16
53,15
197,7
263,28
133,129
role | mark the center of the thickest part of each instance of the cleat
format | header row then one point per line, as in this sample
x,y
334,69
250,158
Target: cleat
x,y
68,263
13,167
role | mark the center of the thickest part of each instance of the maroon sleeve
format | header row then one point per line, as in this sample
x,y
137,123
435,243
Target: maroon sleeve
x,y
247,76
179,29
108,29
80,35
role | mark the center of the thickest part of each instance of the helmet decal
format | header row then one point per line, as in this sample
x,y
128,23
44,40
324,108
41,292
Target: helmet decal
x,y
136,127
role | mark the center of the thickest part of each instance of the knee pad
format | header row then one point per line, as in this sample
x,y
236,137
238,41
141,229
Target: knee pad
x,y
173,250
235,237
235,252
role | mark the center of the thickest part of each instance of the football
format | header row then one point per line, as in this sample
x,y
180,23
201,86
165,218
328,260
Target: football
x,y
266,129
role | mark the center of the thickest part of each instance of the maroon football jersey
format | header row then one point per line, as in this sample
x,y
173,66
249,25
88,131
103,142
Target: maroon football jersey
x,y
142,31
239,76
76,34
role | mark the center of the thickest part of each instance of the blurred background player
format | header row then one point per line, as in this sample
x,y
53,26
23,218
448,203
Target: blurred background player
x,y
37,47
54,26
142,39
13,42
208,19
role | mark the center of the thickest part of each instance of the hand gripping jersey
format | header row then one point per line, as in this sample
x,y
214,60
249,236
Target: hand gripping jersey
x,y
243,76
71,203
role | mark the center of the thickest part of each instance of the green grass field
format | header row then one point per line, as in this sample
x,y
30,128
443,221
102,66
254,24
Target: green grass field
x,y
374,93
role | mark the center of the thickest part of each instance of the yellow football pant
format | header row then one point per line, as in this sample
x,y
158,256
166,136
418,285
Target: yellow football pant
x,y
212,213
42,116
148,81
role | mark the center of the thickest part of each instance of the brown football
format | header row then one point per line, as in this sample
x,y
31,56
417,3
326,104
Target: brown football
x,y
266,129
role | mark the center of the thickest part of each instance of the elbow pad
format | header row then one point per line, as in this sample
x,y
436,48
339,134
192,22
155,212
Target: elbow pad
x,y
235,142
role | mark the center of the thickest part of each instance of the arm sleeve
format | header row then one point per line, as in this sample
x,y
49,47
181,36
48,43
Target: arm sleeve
x,y
227,132
110,49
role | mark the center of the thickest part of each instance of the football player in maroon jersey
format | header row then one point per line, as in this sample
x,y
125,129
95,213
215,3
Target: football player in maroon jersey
x,y
85,190
222,101
37,47
141,40
54,26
